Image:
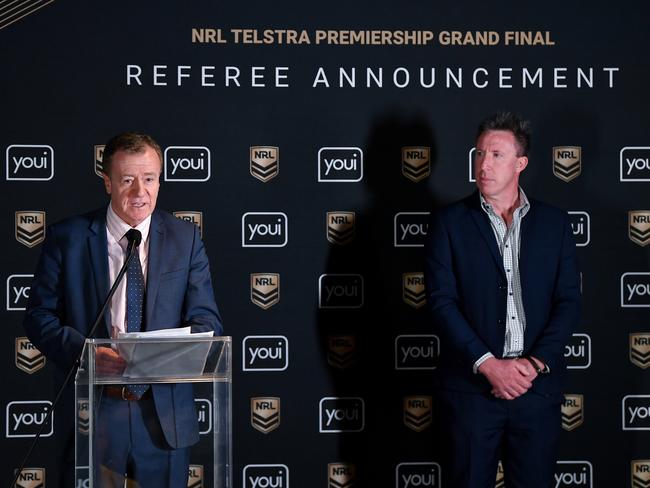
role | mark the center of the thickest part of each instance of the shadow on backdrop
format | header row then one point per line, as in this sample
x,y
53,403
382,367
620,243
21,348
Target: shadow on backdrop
x,y
359,343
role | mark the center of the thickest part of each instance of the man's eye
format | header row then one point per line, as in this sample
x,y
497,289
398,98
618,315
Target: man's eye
x,y
479,154
127,181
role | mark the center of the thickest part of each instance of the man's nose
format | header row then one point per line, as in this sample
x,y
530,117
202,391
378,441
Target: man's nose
x,y
484,161
138,187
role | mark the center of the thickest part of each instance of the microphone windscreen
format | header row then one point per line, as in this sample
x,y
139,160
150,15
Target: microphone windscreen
x,y
134,236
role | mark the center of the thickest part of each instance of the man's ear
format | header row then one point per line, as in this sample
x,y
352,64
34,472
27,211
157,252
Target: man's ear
x,y
107,183
522,162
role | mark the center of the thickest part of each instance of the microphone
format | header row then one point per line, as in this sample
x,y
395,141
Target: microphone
x,y
134,238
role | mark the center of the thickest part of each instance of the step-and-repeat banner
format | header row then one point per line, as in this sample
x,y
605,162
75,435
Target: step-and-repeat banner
x,y
310,142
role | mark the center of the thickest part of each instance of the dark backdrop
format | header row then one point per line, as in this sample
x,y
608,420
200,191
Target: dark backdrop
x,y
64,84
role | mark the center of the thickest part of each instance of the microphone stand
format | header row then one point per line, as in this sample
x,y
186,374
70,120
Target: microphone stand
x,y
133,245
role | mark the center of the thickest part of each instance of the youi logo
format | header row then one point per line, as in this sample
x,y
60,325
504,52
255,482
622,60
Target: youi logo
x,y
340,164
29,162
264,229
187,164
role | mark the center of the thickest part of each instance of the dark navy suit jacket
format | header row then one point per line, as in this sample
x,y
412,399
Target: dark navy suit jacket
x,y
467,291
71,282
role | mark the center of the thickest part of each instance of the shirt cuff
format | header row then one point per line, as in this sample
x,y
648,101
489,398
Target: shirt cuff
x,y
481,360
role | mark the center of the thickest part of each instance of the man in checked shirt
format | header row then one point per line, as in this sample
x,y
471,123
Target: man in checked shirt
x,y
503,289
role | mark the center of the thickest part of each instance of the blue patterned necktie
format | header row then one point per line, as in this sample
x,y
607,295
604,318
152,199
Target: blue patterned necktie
x,y
134,298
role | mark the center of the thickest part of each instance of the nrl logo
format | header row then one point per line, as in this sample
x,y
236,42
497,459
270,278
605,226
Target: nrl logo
x,y
340,227
83,416
639,227
418,412
641,473
265,289
413,291
265,413
195,476
501,480
341,351
640,350
341,475
30,227
31,478
572,412
265,162
99,158
28,358
567,162
193,217
416,162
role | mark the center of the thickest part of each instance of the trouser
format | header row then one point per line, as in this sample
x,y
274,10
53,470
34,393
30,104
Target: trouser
x,y
478,429
130,441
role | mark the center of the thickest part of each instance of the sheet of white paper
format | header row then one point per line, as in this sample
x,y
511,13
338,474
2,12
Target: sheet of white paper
x,y
151,358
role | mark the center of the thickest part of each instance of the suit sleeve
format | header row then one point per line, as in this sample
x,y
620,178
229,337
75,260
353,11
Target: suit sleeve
x,y
458,336
199,308
44,320
565,307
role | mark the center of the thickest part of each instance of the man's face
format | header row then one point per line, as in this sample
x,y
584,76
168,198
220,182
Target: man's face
x,y
496,164
133,184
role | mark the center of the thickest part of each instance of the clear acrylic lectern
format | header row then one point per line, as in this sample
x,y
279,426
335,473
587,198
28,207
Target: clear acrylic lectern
x,y
195,374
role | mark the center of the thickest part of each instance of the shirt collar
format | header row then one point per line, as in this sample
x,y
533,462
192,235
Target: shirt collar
x,y
117,227
522,209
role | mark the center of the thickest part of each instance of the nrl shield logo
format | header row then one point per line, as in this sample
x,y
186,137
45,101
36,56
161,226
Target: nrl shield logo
x,y
639,227
30,227
265,162
413,291
99,158
31,478
572,412
265,413
195,476
418,412
567,162
341,351
193,217
83,416
28,358
640,350
416,163
641,473
501,480
265,289
341,475
340,227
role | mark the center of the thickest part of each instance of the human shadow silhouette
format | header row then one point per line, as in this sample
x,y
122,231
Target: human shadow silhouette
x,y
359,343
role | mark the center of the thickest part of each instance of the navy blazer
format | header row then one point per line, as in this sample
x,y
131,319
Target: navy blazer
x,y
71,282
467,291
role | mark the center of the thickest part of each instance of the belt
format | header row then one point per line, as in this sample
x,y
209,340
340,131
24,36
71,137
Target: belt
x,y
121,393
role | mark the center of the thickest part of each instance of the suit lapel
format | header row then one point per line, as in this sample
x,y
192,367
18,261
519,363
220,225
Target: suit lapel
x,y
483,223
154,265
98,251
527,239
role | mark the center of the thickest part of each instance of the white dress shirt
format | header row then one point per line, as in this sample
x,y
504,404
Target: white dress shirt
x,y
117,244
509,243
